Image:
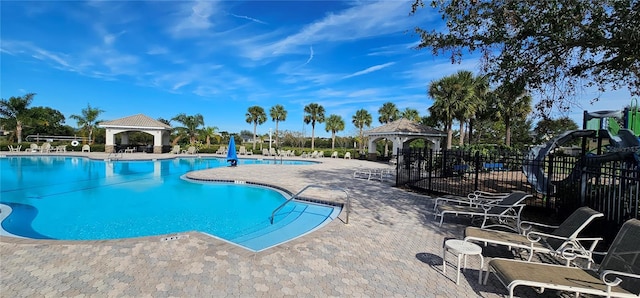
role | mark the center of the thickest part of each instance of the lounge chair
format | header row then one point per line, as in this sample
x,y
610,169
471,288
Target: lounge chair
x,y
45,148
562,238
242,150
192,150
221,150
347,155
176,149
321,154
504,214
475,198
86,148
15,149
373,173
334,154
617,276
33,148
272,152
314,154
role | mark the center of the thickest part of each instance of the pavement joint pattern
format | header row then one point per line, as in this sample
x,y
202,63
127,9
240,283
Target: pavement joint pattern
x,y
392,247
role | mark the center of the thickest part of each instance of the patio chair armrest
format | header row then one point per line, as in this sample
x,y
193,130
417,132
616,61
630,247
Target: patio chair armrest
x,y
612,283
497,204
526,226
481,193
454,200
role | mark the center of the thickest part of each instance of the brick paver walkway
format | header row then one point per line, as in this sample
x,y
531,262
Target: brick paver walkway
x,y
391,247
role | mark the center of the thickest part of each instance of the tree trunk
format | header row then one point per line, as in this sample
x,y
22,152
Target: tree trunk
x,y
361,141
277,142
19,131
313,128
255,124
449,135
470,126
507,126
333,140
461,142
175,141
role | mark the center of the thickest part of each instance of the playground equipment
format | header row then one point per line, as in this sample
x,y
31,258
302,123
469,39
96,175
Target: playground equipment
x,y
623,145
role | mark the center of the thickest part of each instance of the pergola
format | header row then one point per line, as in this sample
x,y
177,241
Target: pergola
x,y
401,132
161,132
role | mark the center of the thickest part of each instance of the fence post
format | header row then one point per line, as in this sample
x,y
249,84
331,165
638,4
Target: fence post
x,y
430,168
477,170
549,185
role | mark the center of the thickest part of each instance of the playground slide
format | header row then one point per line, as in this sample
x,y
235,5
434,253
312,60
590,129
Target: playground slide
x,y
535,172
625,138
535,169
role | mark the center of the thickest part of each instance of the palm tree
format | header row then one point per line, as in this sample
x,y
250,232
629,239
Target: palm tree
x,y
88,121
255,115
190,126
465,96
210,132
411,114
388,113
313,113
512,101
445,92
16,110
334,124
477,103
361,119
278,113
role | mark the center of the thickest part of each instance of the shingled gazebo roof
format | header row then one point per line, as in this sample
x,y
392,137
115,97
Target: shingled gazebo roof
x,y
407,127
139,121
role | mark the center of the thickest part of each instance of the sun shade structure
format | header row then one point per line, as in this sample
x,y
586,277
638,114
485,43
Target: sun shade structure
x,y
161,132
401,132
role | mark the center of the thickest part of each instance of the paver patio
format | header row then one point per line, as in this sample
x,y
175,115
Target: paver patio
x,y
391,247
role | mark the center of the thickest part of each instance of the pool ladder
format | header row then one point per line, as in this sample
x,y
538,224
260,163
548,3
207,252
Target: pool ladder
x,y
297,195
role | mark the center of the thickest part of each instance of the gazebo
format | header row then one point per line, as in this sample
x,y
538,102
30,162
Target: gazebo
x,y
401,132
161,132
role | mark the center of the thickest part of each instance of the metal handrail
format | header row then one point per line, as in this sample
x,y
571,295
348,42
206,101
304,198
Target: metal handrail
x,y
348,205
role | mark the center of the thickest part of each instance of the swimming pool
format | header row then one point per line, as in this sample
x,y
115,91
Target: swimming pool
x,y
74,198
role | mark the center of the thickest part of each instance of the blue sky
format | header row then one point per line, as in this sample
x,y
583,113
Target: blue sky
x,y
218,58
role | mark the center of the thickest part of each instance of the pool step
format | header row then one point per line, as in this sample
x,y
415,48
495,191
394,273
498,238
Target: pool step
x,y
299,221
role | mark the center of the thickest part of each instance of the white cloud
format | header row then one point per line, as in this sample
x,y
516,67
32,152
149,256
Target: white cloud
x,y
366,20
193,18
248,18
369,70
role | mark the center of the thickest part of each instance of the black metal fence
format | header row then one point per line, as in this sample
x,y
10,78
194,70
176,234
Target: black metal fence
x,y
562,184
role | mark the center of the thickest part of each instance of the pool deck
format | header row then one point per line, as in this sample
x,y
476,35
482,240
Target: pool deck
x,y
391,247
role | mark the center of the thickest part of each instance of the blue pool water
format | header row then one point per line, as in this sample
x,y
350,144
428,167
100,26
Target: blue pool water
x,y
72,198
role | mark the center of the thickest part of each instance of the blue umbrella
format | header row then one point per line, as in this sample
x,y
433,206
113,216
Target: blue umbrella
x,y
231,152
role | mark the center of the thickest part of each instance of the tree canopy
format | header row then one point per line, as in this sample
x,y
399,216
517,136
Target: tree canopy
x,y
555,47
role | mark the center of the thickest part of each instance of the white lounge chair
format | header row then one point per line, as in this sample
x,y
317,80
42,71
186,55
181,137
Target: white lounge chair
x,y
192,150
617,276
321,154
477,197
86,148
563,237
347,155
504,214
45,148
334,154
15,149
242,150
33,148
176,149
272,152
